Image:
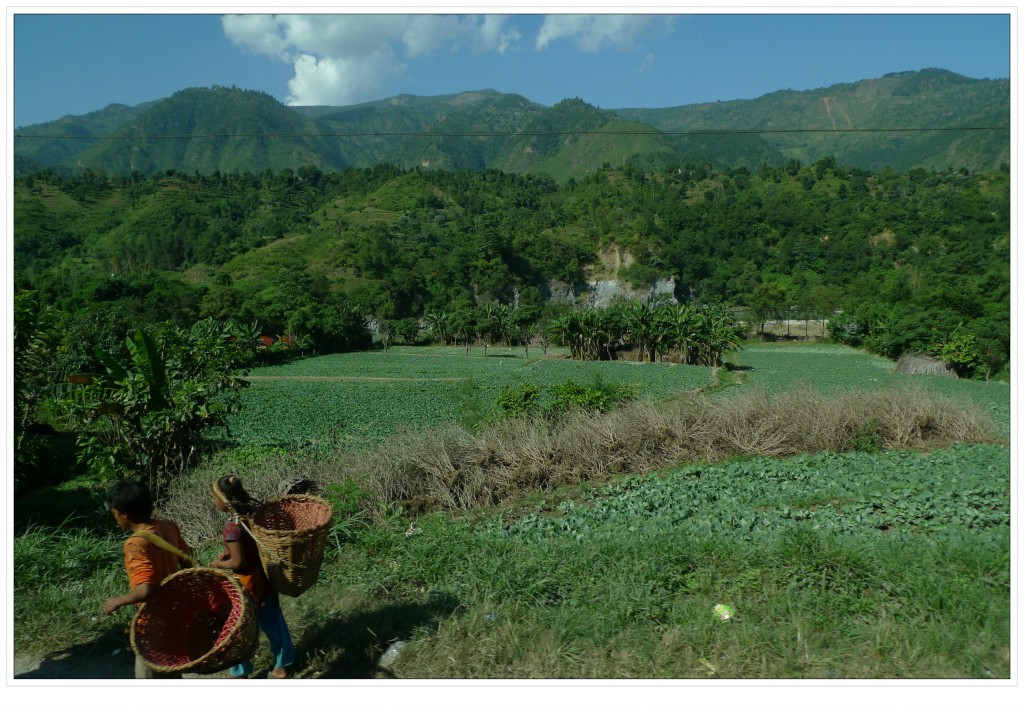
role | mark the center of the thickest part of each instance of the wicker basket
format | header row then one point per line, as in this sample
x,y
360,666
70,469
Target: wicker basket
x,y
291,532
200,621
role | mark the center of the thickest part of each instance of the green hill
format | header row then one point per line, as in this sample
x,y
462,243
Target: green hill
x,y
932,119
848,121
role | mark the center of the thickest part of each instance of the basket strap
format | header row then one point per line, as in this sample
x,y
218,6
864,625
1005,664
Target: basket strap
x,y
245,526
162,544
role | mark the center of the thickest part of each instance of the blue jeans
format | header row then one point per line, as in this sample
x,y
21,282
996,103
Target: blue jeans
x,y
271,622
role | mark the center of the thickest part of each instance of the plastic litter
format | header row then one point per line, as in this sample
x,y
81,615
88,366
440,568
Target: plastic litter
x,y
724,612
390,655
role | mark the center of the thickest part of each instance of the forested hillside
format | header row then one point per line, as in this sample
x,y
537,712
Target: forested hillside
x,y
931,119
916,261
902,120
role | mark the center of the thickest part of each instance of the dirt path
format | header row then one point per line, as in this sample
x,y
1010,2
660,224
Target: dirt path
x,y
106,657
69,665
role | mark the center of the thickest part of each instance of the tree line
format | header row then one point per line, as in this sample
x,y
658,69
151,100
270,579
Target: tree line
x,y
916,261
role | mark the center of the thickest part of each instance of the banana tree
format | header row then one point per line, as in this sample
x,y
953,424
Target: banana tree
x,y
147,417
642,330
718,333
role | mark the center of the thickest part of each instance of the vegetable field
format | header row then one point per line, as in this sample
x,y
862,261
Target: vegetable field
x,y
872,564
893,495
888,565
358,399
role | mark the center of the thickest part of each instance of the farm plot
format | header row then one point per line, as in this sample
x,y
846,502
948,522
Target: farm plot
x,y
836,369
897,494
829,369
358,399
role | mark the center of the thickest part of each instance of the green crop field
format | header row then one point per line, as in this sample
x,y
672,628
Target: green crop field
x,y
358,399
894,495
888,565
828,368
834,369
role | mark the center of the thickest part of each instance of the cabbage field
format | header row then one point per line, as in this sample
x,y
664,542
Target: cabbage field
x,y
357,400
835,369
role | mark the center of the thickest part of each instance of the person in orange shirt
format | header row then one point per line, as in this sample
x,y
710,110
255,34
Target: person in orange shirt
x,y
241,555
146,564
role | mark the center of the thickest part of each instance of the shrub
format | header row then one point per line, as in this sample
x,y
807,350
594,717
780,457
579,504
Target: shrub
x,y
598,397
147,417
519,401
963,354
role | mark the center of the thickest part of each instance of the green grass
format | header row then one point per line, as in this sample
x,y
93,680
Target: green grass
x,y
62,576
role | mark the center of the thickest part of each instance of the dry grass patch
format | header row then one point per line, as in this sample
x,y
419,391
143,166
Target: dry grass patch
x,y
453,469
189,501
918,364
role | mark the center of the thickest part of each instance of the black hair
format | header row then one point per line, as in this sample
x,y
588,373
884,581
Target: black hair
x,y
235,493
131,497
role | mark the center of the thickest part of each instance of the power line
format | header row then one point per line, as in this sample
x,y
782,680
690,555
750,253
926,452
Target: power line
x,y
515,133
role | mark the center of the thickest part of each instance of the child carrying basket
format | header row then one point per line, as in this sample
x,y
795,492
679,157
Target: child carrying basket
x,y
243,558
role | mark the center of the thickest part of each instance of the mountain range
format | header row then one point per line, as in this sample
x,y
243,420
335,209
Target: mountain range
x,y
932,118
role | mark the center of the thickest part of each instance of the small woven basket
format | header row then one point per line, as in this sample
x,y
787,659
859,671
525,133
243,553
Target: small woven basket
x,y
291,532
200,621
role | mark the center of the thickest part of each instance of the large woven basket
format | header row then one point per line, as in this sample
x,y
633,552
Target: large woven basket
x,y
199,621
291,532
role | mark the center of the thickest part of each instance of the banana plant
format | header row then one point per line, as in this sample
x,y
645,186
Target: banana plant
x,y
147,417
148,366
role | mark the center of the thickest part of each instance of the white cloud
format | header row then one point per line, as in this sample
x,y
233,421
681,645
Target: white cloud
x,y
593,33
346,59
340,81
493,35
258,33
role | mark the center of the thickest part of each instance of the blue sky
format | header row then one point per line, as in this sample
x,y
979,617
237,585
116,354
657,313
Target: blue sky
x,y
73,64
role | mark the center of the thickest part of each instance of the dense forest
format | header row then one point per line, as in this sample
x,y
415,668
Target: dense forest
x,y
911,259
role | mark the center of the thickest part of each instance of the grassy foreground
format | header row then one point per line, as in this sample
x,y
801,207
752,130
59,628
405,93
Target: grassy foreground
x,y
890,565
872,564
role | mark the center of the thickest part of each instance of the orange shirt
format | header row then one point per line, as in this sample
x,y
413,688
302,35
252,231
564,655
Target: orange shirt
x,y
145,562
